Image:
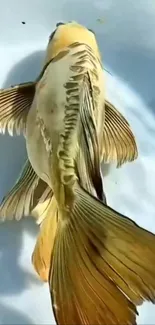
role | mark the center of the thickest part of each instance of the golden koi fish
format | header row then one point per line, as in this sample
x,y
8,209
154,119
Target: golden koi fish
x,y
99,263
31,195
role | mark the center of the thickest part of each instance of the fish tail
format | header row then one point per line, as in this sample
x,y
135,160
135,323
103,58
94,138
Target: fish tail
x,y
102,265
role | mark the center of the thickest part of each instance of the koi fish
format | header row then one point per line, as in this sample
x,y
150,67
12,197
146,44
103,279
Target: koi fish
x,y
99,263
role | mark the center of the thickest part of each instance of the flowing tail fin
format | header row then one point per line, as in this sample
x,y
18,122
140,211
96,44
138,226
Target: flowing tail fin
x,y
102,266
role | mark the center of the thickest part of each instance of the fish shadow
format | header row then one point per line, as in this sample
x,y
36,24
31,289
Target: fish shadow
x,y
14,279
9,315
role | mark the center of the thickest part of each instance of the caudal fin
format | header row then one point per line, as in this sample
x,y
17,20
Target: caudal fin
x,y
103,265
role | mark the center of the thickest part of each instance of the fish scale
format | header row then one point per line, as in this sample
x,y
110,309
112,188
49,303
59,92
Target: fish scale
x,y
87,63
58,104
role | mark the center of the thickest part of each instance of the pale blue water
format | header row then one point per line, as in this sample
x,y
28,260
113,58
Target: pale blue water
x,y
127,41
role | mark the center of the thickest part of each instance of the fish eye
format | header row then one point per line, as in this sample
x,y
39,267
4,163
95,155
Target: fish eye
x,y
58,24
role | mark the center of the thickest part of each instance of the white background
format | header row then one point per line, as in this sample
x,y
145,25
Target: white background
x,y
127,41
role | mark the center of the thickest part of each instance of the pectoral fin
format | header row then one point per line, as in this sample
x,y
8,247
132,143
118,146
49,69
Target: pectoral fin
x,y
15,103
118,140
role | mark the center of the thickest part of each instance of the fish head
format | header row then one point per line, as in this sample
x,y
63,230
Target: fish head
x,y
65,34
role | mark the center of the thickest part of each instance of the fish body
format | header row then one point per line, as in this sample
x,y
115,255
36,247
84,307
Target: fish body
x,y
22,108
90,279
53,129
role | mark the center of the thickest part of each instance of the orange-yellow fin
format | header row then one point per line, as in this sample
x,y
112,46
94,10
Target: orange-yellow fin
x,y
41,256
24,196
15,103
119,144
40,210
102,266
